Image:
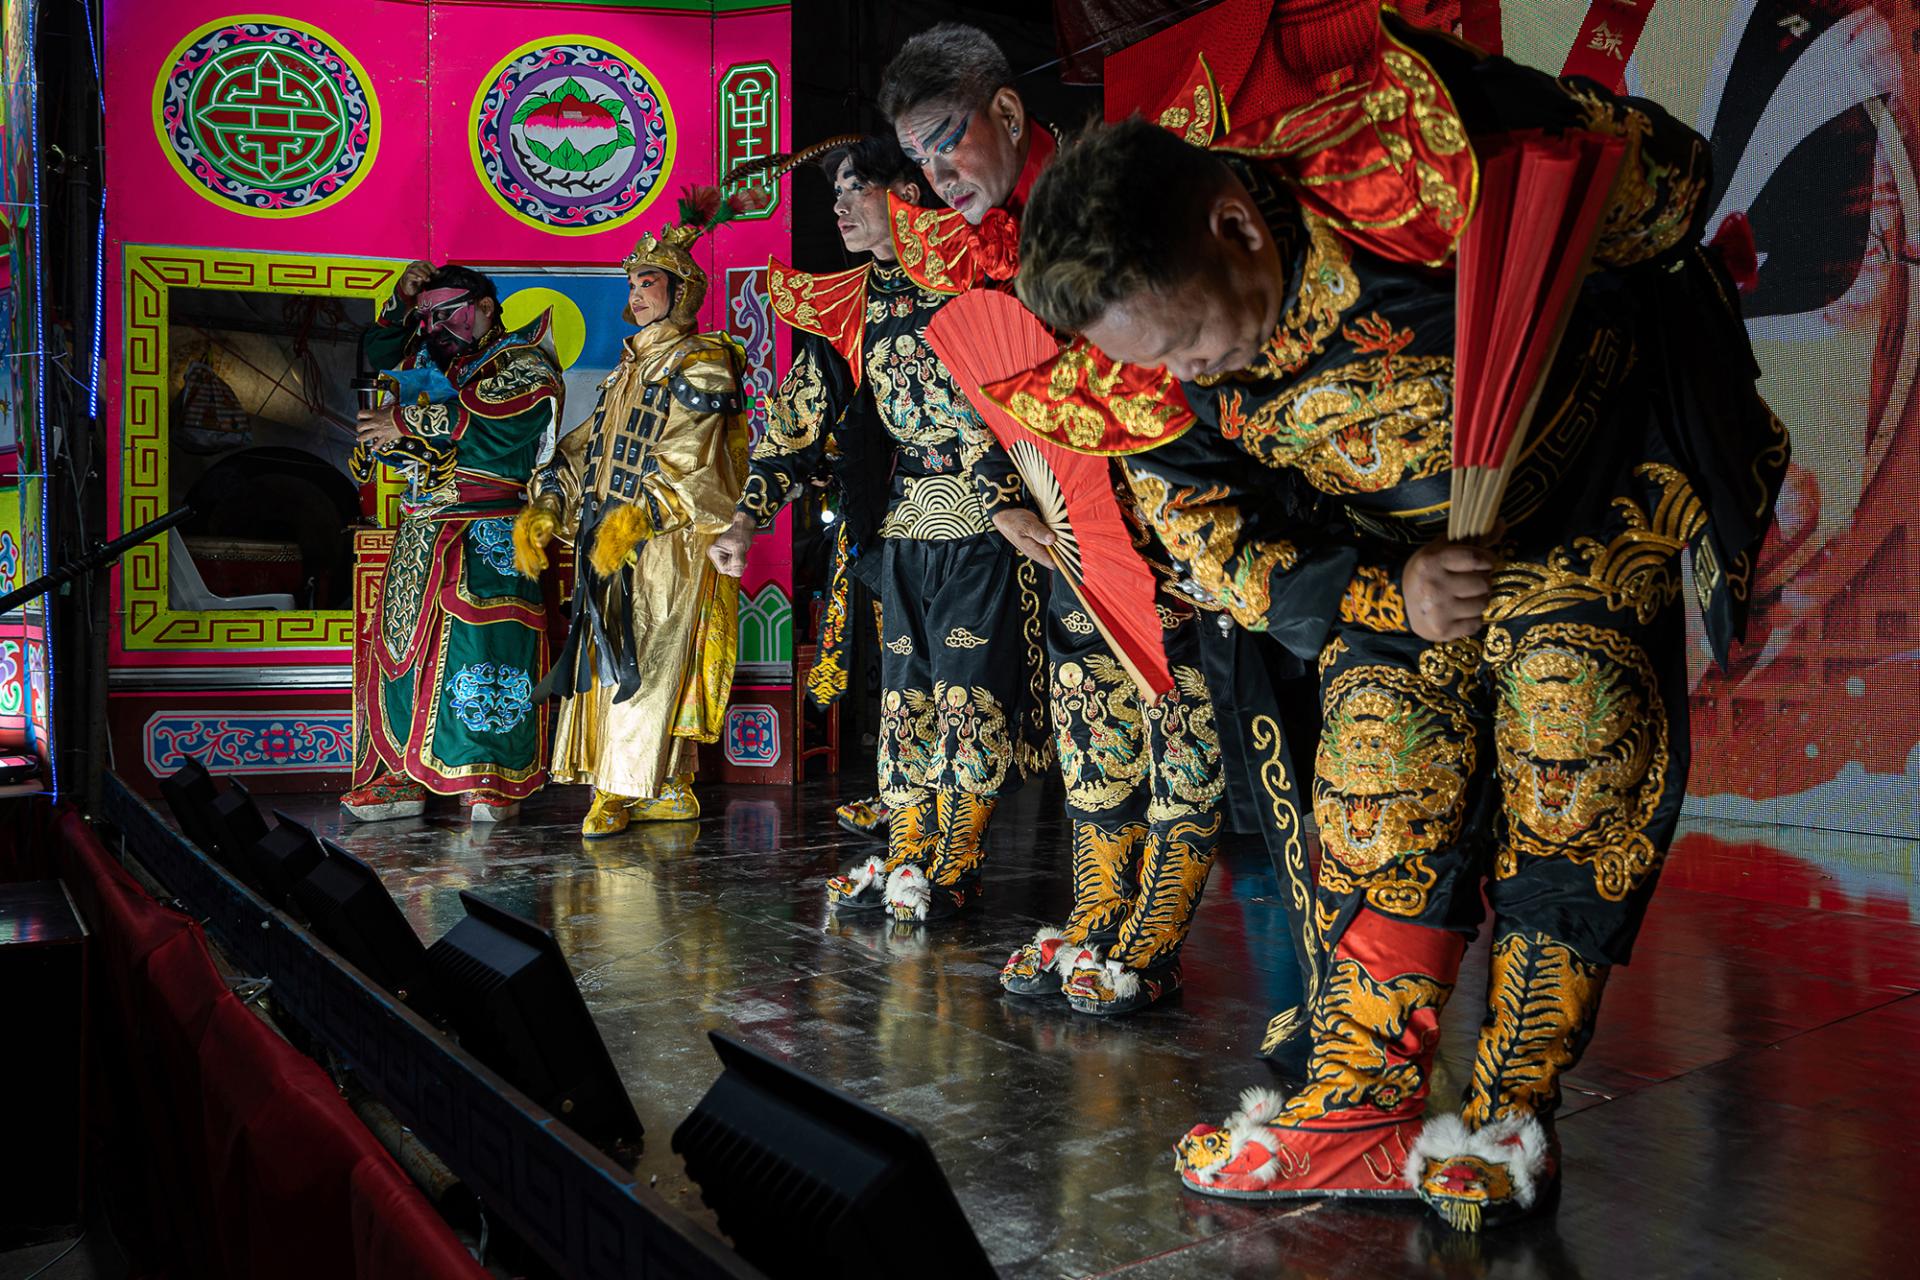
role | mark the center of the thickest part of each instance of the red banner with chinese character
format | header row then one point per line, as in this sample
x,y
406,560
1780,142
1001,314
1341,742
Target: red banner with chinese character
x,y
1480,24
1607,37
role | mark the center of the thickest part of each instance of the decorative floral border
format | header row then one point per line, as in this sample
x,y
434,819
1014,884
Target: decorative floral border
x,y
250,742
750,319
478,115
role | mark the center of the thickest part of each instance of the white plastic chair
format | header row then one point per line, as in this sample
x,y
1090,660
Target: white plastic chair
x,y
187,590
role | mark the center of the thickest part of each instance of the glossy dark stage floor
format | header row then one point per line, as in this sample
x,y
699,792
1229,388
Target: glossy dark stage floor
x,y
1750,1106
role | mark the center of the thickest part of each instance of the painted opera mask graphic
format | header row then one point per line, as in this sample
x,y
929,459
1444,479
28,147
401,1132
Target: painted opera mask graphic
x,y
1808,107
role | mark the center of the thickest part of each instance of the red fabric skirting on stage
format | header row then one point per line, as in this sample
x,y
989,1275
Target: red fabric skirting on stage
x,y
244,1158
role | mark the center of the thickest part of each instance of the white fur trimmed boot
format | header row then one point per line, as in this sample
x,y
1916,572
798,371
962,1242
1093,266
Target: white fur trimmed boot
x,y
915,897
861,887
1040,967
1110,989
909,893
1260,1153
864,817
1485,1177
1350,1126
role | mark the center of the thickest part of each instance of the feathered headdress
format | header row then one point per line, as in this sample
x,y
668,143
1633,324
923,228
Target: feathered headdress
x,y
702,209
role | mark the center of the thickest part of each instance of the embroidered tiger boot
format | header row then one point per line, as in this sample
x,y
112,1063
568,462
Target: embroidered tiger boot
x,y
1349,1129
1105,872
1499,1159
866,817
950,882
912,834
1142,967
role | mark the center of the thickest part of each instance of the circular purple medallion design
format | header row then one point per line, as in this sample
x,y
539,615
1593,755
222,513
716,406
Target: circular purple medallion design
x,y
572,136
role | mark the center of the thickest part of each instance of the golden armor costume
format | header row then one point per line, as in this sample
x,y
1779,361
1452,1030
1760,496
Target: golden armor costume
x,y
641,490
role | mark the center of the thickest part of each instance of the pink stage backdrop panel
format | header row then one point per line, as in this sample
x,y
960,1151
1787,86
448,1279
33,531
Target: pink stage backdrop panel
x,y
562,135
291,127
540,135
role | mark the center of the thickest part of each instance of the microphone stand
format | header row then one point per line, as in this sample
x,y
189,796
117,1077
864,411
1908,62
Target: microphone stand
x,y
101,555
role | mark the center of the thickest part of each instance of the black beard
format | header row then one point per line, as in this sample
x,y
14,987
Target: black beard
x,y
443,348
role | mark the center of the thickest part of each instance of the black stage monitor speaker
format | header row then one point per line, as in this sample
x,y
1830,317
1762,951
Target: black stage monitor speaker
x,y
350,910
512,1000
190,793
237,825
807,1180
283,857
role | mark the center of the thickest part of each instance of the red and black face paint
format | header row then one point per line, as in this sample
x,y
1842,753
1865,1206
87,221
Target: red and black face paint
x,y
451,323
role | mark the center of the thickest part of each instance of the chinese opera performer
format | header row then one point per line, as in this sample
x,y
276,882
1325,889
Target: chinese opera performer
x,y
1508,715
1143,777
641,491
447,704
961,667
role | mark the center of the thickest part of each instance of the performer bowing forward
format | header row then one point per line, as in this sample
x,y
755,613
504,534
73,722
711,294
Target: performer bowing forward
x,y
1144,781
1509,717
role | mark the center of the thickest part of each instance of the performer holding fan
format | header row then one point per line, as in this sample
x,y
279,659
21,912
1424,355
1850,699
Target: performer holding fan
x,y
1509,717
987,337
1133,718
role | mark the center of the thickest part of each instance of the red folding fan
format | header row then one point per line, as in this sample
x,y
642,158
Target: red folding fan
x,y
1521,261
984,337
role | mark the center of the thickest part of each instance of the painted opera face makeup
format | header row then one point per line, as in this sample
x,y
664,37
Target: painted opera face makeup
x,y
860,212
649,295
972,159
453,322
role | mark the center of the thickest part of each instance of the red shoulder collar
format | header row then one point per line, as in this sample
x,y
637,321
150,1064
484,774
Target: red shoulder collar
x,y
1082,401
834,306
934,246
1355,120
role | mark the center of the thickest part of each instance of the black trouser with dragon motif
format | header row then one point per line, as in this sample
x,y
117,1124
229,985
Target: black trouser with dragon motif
x,y
960,714
1544,759
1143,786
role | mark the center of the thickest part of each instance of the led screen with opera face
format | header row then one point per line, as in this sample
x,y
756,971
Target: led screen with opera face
x,y
1808,107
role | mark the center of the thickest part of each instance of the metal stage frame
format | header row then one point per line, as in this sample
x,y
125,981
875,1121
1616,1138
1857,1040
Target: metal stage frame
x,y
583,1213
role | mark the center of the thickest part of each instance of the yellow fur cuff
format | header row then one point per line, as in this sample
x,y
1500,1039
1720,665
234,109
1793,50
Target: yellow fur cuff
x,y
533,529
624,528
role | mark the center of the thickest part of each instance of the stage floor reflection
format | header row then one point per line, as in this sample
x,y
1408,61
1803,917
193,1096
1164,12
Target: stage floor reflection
x,y
1750,1105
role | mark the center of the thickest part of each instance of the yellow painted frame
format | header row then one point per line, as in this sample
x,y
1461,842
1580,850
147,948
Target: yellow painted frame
x,y
149,272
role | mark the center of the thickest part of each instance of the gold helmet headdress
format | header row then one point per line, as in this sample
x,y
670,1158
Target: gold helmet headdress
x,y
701,210
671,251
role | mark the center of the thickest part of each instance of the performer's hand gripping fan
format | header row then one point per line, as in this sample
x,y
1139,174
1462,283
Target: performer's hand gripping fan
x,y
986,337
1522,258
